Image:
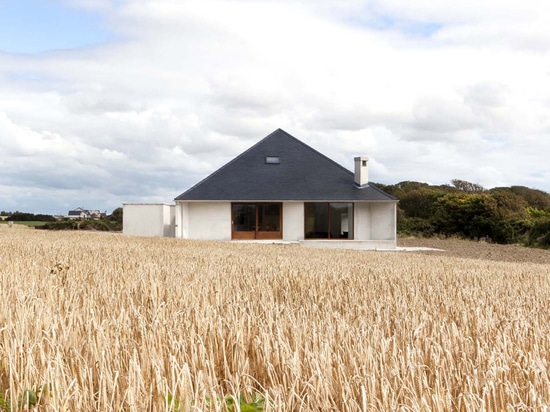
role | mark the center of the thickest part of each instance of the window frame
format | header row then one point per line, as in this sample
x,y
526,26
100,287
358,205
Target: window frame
x,y
351,205
256,233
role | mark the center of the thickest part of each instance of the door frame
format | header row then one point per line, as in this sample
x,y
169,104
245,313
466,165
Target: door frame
x,y
256,234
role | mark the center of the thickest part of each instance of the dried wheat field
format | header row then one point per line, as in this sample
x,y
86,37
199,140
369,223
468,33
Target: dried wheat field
x,y
104,322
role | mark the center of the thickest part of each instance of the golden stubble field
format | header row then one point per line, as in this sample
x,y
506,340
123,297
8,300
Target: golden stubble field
x,y
104,322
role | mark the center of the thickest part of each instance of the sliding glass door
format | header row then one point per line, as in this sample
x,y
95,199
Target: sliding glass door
x,y
244,221
257,221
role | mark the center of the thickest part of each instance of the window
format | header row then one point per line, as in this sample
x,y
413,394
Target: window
x,y
272,160
257,221
244,217
269,217
328,220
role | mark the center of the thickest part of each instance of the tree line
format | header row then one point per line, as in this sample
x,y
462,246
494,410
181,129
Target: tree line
x,y
112,222
516,214
27,217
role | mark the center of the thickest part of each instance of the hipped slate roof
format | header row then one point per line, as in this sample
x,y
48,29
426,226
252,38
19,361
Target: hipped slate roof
x,y
302,174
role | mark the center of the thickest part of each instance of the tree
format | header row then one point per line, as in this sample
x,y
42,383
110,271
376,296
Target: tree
x,y
539,234
514,214
116,216
535,198
419,203
469,215
464,186
22,217
510,205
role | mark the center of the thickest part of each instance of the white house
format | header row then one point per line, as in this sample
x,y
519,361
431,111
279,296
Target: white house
x,y
279,190
81,213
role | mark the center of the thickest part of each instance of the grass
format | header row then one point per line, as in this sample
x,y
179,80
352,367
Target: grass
x,y
30,223
113,323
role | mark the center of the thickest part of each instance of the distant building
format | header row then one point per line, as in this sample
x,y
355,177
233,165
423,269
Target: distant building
x,y
80,213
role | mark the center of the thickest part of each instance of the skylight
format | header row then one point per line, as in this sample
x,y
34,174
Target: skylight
x,y
272,160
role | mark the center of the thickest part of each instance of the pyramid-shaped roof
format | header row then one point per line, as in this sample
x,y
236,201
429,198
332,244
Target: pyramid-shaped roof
x,y
301,174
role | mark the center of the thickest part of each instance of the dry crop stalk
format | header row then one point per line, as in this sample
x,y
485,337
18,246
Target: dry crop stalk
x,y
119,323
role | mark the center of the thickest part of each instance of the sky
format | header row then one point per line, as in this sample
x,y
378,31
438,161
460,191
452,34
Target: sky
x,y
104,102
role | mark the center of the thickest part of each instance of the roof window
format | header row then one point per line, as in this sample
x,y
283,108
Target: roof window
x,y
272,160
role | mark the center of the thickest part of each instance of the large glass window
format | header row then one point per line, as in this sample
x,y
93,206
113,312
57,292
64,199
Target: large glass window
x,y
328,220
316,216
269,217
244,217
257,221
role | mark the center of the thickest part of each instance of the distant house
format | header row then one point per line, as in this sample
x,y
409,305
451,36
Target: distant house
x,y
80,213
281,190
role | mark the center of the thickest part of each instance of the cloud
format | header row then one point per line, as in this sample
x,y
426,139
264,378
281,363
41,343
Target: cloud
x,y
429,91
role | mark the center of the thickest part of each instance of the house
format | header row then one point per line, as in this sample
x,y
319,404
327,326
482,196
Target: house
x,y
80,213
280,190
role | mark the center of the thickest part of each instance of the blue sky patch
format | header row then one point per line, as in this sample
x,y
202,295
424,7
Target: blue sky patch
x,y
34,26
384,22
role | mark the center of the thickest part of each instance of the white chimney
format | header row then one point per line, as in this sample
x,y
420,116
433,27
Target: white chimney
x,y
361,177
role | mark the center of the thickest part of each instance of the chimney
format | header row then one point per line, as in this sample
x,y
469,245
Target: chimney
x,y
361,177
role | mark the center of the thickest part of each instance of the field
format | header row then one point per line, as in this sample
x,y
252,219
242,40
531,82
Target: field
x,y
31,223
103,322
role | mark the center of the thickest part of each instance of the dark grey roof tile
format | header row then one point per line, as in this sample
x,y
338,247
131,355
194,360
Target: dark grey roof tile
x,y
301,174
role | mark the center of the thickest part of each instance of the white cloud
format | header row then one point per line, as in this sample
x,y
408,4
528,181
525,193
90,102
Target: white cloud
x,y
18,141
430,91
113,154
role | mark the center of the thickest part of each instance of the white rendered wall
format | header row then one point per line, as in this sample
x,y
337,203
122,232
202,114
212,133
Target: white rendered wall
x,y
293,221
382,217
148,219
361,221
375,221
209,220
182,220
169,220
